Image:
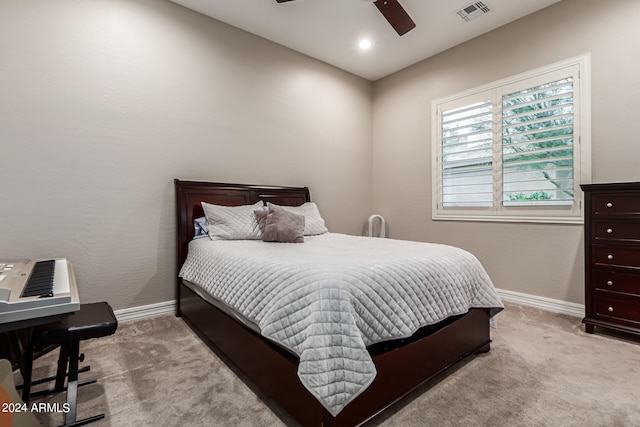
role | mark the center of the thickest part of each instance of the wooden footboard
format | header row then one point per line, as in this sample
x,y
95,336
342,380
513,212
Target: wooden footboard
x,y
402,370
274,370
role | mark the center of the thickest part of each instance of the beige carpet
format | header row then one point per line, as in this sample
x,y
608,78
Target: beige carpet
x,y
543,370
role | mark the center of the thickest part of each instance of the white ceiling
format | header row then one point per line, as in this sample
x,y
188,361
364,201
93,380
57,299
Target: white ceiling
x,y
330,30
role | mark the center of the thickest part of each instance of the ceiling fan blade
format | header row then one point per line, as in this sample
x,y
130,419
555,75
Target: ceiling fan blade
x,y
396,15
283,1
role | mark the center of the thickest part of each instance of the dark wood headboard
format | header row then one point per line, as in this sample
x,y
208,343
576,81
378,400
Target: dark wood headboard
x,y
189,194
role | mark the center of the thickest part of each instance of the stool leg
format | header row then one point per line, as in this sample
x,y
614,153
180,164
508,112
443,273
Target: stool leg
x,y
72,390
63,360
72,384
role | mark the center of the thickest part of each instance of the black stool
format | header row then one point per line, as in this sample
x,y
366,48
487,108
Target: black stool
x,y
90,321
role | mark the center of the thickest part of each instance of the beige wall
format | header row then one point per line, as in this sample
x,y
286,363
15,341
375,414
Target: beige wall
x,y
543,260
104,102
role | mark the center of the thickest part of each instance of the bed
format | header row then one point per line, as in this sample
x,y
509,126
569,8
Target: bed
x,y
399,365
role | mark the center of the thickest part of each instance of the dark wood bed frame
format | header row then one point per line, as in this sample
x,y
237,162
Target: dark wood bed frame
x,y
274,370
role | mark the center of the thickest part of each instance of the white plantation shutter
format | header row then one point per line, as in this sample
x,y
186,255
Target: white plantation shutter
x,y
467,155
515,150
537,145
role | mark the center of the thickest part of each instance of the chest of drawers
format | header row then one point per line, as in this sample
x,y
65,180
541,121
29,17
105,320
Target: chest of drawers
x,y
612,256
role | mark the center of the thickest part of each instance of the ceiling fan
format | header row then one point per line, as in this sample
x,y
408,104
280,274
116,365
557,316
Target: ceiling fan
x,y
393,12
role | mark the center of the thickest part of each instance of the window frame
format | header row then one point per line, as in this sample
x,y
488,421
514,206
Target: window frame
x,y
578,68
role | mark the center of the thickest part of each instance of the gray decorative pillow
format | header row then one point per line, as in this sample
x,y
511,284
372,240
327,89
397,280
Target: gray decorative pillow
x,y
232,222
313,221
282,226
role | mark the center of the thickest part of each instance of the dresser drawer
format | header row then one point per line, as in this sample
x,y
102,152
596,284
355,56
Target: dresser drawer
x,y
614,231
615,281
615,256
611,306
615,204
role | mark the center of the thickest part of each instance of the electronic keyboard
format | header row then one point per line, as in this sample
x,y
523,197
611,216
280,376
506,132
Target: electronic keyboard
x,y
36,288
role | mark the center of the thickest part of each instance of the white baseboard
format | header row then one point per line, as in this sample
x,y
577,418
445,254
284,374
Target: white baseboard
x,y
558,306
145,311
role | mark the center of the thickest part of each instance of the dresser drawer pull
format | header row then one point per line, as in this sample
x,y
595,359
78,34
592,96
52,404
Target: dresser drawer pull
x,y
609,256
609,205
609,282
610,309
609,230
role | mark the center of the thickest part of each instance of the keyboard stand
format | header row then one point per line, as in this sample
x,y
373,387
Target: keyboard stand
x,y
12,330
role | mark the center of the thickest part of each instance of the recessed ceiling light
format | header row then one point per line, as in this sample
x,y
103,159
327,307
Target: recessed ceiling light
x,y
364,44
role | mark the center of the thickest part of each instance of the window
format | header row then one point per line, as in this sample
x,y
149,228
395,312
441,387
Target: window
x,y
515,150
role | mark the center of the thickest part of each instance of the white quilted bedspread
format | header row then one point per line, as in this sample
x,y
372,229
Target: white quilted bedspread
x,y
328,298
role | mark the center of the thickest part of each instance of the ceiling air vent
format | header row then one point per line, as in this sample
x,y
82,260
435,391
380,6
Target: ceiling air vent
x,y
473,10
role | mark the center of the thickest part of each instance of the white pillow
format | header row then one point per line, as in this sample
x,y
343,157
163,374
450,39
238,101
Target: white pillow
x,y
313,221
232,222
